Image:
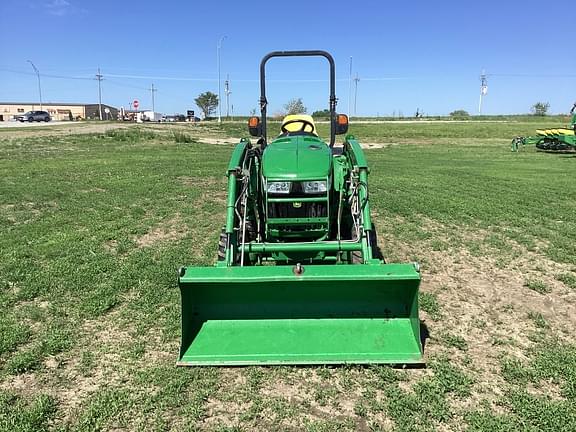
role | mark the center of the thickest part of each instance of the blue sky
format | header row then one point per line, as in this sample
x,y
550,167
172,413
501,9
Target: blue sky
x,y
408,55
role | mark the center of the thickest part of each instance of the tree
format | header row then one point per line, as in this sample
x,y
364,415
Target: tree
x,y
295,106
322,113
207,102
460,114
540,108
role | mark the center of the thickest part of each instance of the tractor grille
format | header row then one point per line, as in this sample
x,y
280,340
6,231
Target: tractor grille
x,y
306,210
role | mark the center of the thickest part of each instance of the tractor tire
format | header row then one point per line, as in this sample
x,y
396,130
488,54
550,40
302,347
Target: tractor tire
x,y
222,245
376,251
221,256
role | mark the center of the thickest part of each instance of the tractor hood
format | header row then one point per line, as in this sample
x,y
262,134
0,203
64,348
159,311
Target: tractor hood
x,y
296,158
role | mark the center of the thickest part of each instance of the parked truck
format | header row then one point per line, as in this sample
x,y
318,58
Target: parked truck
x,y
148,116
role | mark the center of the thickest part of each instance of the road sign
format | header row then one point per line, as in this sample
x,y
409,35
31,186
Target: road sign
x,y
107,110
136,104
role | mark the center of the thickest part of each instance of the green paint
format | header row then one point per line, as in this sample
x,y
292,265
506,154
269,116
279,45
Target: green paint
x,y
296,158
328,314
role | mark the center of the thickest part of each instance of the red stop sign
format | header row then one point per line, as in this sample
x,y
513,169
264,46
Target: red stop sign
x,y
136,104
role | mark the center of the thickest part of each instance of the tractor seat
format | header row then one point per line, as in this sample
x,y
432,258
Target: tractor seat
x,y
296,127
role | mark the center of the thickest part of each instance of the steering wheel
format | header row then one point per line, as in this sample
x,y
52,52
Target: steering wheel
x,y
304,124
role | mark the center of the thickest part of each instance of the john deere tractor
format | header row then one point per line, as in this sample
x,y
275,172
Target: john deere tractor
x,y
551,140
299,277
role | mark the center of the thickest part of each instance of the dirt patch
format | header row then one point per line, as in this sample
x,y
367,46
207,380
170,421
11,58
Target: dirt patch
x,y
378,145
111,246
219,141
59,129
172,229
487,304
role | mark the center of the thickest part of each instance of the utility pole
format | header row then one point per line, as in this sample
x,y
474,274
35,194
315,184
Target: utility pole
x,y
218,47
39,86
153,90
227,93
350,88
483,89
99,77
355,91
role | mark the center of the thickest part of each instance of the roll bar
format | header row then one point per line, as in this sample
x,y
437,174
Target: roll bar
x,y
311,53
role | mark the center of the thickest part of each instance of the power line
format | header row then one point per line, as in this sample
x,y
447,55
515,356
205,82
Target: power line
x,y
39,85
168,78
121,84
20,72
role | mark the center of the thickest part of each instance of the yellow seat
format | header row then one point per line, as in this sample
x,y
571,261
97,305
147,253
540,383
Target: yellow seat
x,y
296,126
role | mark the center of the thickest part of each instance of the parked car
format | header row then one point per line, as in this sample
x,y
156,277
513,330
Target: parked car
x,y
31,116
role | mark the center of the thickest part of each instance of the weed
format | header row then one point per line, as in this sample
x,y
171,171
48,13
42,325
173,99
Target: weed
x,y
537,285
568,279
24,361
450,378
454,341
86,362
538,320
182,137
429,303
134,134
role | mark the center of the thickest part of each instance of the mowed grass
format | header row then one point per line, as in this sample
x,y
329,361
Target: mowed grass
x,y
93,228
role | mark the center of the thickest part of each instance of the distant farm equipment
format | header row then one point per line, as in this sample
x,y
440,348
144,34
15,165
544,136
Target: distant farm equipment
x,y
555,140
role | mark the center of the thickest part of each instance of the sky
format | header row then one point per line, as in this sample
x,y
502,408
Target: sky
x,y
425,55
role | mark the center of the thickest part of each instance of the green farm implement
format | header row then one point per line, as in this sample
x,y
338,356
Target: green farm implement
x,y
559,140
299,277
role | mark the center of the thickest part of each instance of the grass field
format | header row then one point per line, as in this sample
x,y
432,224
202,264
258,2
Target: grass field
x,y
94,226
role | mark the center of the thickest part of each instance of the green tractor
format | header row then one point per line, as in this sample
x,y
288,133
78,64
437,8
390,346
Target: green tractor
x,y
552,140
299,277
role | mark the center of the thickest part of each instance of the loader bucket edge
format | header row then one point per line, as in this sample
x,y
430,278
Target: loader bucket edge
x,y
329,314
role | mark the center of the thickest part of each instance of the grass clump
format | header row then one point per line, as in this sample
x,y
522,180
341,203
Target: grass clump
x,y
12,334
538,286
19,415
133,134
538,319
429,304
183,138
417,410
454,341
568,279
24,361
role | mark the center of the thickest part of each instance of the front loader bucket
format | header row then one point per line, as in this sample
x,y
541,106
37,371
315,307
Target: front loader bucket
x,y
328,314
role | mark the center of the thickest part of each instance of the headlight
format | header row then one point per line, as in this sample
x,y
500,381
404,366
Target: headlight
x,y
279,187
312,187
